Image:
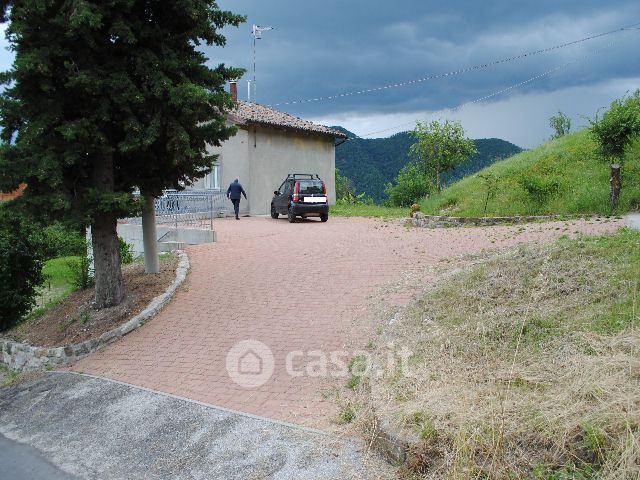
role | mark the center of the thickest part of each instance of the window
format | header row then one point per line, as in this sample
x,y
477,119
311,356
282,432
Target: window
x,y
212,180
288,189
311,186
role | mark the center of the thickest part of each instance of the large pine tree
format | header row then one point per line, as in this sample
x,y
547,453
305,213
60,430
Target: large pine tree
x,y
104,97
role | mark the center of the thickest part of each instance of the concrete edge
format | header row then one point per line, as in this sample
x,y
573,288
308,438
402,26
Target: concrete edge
x,y
19,356
388,441
419,219
393,447
198,402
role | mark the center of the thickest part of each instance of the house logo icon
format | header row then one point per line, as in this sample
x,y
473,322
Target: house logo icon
x,y
250,363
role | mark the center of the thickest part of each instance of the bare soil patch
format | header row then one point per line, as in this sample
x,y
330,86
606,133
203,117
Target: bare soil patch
x,y
74,320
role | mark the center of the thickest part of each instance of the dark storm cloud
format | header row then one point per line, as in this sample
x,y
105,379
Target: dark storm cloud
x,y
336,46
326,48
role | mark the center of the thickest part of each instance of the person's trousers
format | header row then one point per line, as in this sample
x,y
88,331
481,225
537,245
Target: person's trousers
x,y
236,206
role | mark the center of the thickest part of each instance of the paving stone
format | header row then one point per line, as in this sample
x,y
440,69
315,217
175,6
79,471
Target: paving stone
x,y
299,286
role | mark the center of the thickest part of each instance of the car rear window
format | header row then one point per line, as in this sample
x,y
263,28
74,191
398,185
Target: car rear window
x,y
311,186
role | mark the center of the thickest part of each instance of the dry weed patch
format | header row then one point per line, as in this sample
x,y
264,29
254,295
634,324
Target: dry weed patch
x,y
525,365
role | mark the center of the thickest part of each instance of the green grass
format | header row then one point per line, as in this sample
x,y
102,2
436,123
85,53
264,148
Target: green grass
x,y
347,414
589,284
8,377
360,210
357,367
572,175
421,423
57,286
58,274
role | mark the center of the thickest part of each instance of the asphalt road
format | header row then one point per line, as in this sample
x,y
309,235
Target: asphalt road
x,y
633,220
64,425
23,462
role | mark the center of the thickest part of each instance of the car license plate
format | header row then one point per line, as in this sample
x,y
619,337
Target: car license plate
x,y
315,199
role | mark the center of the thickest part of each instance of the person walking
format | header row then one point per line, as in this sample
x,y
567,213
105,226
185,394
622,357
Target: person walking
x,y
233,193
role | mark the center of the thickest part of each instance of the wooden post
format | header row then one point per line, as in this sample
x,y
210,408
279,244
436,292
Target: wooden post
x,y
149,236
615,184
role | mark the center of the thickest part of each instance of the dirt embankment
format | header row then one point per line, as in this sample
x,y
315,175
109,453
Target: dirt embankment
x,y
74,319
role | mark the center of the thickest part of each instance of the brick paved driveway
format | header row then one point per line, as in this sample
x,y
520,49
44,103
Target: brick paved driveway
x,y
292,287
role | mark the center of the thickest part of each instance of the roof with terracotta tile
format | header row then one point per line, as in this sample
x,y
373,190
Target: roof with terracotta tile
x,y
255,114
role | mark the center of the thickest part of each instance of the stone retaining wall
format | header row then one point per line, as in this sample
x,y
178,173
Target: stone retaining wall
x,y
433,221
20,356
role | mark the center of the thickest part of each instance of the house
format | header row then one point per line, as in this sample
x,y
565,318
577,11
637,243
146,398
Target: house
x,y
269,145
11,195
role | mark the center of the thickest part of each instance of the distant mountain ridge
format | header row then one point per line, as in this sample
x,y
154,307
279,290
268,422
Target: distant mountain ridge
x,y
372,163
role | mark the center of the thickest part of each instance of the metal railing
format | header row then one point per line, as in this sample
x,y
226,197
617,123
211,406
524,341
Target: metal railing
x,y
189,208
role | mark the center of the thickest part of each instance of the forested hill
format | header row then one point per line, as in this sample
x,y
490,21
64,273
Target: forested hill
x,y
371,163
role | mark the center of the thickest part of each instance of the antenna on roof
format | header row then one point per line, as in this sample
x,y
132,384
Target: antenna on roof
x,y
256,31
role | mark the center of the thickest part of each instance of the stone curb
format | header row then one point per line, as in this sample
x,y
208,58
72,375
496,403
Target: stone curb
x,y
24,357
433,221
393,447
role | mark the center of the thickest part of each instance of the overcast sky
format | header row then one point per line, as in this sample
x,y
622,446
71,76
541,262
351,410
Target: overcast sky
x,y
336,46
339,46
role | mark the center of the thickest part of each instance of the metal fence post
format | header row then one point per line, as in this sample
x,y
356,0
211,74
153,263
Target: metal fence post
x,y
210,212
175,212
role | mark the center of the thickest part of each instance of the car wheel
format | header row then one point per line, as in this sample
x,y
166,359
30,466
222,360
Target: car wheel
x,y
274,214
291,216
324,217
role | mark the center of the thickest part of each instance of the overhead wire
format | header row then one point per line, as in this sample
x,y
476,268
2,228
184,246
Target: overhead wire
x,y
501,91
458,71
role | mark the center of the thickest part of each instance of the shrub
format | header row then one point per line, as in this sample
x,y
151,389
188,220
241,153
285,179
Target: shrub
x,y
539,188
414,208
561,125
344,187
411,185
126,253
81,272
490,181
21,262
62,241
618,126
352,199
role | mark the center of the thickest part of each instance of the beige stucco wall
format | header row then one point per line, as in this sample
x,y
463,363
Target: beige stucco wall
x,y
262,157
233,158
277,153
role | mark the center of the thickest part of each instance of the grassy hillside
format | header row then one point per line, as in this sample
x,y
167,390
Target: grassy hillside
x,y
524,365
563,176
363,210
372,163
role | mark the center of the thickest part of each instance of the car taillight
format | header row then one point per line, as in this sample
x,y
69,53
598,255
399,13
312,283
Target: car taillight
x,y
324,188
296,192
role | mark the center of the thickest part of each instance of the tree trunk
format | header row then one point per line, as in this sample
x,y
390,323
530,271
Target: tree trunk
x,y
437,171
104,238
615,184
106,260
149,236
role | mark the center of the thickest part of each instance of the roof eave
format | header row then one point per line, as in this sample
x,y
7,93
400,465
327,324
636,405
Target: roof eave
x,y
243,122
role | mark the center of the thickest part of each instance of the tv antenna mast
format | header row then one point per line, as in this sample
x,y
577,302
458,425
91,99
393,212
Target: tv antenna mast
x,y
256,31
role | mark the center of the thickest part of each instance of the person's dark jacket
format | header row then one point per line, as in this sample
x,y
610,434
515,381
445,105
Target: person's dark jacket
x,y
235,190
